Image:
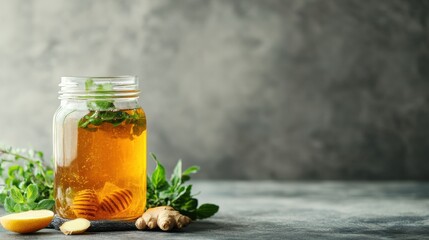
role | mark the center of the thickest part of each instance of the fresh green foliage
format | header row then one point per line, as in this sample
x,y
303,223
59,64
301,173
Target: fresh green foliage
x,y
175,193
103,110
96,118
28,183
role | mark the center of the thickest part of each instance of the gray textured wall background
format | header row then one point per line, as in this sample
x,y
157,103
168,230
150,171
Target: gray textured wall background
x,y
298,89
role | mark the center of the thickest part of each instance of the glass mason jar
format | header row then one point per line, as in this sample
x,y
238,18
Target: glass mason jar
x,y
99,149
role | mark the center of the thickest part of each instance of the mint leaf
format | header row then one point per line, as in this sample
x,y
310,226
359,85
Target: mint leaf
x,y
31,205
24,207
191,170
16,195
45,204
190,205
17,208
207,210
176,177
2,197
32,193
183,196
158,175
9,204
15,170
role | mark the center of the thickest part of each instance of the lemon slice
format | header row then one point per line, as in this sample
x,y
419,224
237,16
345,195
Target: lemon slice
x,y
27,222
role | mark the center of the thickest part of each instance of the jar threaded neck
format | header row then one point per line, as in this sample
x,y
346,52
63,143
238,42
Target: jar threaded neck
x,y
99,87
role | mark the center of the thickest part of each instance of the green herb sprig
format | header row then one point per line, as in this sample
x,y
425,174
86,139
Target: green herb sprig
x,y
28,182
174,193
104,111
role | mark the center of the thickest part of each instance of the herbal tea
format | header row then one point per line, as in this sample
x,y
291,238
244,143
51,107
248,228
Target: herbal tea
x,y
100,164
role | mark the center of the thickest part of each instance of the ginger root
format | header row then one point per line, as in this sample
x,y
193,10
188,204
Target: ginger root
x,y
164,217
76,226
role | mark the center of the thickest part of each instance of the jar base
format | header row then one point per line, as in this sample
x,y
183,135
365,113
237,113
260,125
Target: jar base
x,y
99,225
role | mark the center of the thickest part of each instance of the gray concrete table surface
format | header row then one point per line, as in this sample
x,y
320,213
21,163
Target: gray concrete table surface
x,y
294,210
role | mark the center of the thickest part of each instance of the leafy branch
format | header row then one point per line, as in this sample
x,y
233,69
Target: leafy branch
x,y
174,193
28,183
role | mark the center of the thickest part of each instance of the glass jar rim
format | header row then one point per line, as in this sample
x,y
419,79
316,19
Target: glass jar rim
x,y
88,87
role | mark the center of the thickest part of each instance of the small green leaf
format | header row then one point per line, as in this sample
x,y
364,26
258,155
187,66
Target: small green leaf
x,y
190,205
190,214
183,195
158,175
31,206
191,170
185,178
24,207
45,204
13,169
39,154
17,208
207,210
16,195
9,204
49,174
32,193
176,177
153,156
149,184
165,195
2,197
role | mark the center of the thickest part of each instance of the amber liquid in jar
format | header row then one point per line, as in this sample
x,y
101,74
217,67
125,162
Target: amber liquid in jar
x,y
100,171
